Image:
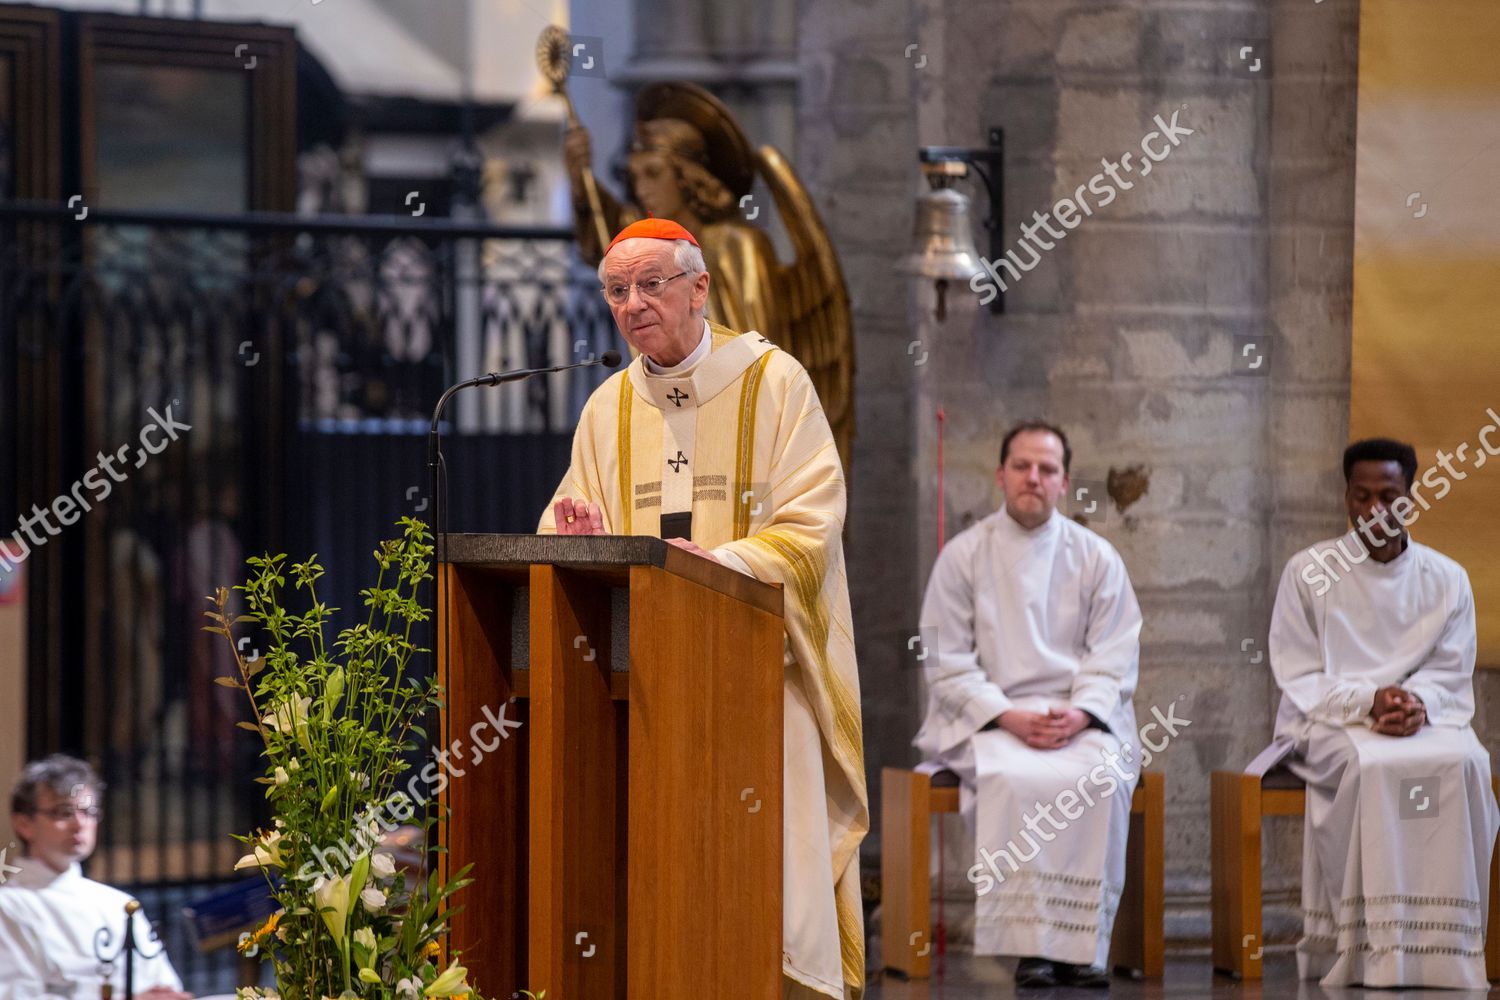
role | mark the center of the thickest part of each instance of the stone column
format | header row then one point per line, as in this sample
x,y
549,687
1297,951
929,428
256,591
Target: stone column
x,y
857,154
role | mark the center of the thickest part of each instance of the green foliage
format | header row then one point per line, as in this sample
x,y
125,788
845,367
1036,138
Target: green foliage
x,y
338,726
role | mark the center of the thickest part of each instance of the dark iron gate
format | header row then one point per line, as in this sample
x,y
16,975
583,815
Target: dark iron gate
x,y
202,388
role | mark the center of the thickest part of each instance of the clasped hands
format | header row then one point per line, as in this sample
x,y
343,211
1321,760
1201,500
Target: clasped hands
x,y
1397,712
1049,730
578,517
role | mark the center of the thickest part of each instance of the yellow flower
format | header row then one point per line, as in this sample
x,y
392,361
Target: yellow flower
x,y
432,950
259,935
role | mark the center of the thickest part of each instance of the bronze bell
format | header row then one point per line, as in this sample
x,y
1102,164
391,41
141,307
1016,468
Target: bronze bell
x,y
942,236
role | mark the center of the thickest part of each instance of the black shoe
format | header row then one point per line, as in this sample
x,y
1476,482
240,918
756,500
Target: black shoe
x,y
1033,972
1086,976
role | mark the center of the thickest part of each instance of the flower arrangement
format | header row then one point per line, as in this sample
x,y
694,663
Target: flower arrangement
x,y
339,724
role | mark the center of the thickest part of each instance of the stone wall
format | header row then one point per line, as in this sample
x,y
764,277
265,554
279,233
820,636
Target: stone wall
x,y
1139,333
857,153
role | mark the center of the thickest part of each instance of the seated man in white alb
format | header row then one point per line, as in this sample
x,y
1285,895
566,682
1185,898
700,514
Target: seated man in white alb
x,y
50,913
1033,639
1372,643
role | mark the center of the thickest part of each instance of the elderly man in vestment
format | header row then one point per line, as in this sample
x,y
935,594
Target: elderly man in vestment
x,y
715,440
1032,639
691,162
1372,644
50,913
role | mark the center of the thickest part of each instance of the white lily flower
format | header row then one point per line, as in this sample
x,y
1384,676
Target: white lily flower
x,y
267,853
450,983
334,894
290,716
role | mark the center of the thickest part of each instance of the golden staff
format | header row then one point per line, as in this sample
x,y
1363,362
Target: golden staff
x,y
554,58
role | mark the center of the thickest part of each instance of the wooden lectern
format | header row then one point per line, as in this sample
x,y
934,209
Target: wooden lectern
x,y
626,837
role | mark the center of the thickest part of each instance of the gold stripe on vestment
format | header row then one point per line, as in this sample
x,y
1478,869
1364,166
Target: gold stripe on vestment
x,y
627,393
744,459
807,574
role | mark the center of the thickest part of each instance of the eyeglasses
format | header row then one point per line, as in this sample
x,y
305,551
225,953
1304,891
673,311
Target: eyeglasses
x,y
619,292
61,814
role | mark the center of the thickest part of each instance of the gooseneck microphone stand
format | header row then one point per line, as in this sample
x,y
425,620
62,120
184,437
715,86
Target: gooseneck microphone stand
x,y
609,359
437,474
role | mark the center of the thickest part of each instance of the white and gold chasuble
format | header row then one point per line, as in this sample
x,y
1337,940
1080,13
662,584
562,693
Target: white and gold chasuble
x,y
736,454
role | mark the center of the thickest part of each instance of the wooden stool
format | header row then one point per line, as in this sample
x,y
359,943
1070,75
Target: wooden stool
x,y
908,802
1238,804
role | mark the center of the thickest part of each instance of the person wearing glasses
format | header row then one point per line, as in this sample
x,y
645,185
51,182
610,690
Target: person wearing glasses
x,y
716,441
50,913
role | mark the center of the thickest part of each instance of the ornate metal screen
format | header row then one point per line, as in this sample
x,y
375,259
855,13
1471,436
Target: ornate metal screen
x,y
202,388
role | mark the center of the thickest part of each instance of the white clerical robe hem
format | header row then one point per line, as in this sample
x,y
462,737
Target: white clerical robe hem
x,y
1034,619
1399,830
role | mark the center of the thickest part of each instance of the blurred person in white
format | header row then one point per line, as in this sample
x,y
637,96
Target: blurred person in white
x,y
50,913
1376,670
1033,644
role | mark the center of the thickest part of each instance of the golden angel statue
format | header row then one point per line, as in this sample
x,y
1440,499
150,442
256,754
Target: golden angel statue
x,y
691,162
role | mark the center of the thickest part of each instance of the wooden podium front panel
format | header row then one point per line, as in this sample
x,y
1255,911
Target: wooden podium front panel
x,y
705,799
577,933
487,802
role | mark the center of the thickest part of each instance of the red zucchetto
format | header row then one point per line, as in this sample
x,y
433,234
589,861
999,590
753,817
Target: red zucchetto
x,y
652,229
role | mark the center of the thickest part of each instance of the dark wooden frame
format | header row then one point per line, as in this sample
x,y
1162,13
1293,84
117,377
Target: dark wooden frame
x,y
31,36
272,173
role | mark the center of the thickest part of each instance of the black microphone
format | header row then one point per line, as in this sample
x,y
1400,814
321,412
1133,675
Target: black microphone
x,y
609,359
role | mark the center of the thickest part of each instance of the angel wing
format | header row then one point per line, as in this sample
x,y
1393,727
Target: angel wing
x,y
818,329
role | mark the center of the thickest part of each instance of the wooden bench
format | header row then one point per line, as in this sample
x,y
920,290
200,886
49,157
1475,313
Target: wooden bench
x,y
1238,804
910,799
